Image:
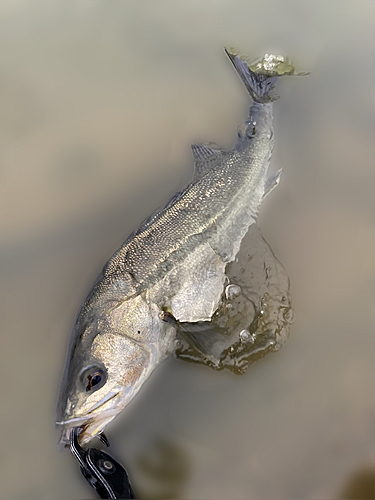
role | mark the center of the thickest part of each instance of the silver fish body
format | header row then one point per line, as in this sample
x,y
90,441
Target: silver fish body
x,y
175,263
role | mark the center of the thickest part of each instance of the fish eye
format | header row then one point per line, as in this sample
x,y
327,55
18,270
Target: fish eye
x,y
93,381
92,378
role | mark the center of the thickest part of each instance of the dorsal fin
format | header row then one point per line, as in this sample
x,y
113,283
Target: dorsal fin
x,y
206,156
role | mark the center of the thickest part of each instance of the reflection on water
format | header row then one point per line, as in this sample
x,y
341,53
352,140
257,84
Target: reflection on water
x,y
253,317
164,469
361,486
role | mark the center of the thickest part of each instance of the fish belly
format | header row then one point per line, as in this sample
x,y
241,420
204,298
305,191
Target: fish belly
x,y
192,289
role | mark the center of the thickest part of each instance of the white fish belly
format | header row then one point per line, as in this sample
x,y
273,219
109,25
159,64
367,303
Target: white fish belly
x,y
191,291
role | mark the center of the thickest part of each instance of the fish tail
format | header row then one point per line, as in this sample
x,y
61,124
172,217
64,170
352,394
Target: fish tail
x,y
260,77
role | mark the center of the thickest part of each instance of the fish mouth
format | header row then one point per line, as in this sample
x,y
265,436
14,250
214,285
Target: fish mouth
x,y
93,421
89,429
91,426
73,422
77,421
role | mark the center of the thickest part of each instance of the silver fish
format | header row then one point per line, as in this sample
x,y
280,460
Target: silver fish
x,y
174,264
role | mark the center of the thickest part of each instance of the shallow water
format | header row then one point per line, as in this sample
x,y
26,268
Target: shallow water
x,y
99,104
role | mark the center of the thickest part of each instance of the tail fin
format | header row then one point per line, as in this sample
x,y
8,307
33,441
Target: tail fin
x,y
260,78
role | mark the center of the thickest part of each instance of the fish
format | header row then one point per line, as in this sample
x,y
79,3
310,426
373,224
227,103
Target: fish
x,y
172,266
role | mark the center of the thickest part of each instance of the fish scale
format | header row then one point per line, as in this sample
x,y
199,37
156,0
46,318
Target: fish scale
x,y
200,206
174,262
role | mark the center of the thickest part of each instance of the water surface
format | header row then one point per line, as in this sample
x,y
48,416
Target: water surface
x,y
99,104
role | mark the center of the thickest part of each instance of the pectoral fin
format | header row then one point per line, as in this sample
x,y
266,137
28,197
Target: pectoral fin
x,y
205,336
271,183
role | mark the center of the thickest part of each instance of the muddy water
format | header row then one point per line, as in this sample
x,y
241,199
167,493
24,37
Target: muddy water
x,y
99,103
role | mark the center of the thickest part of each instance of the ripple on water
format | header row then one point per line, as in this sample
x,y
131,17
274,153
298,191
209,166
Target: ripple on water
x,y
253,317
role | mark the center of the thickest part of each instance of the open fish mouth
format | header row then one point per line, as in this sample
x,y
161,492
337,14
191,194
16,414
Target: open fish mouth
x,y
91,427
93,421
68,426
100,405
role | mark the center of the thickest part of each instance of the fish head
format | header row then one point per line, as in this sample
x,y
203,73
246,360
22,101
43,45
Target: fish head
x,y
114,348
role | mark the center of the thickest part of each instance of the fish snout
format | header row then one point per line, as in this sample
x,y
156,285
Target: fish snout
x,y
66,410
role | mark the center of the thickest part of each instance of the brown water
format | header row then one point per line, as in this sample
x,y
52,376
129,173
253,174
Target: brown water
x,y
99,102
